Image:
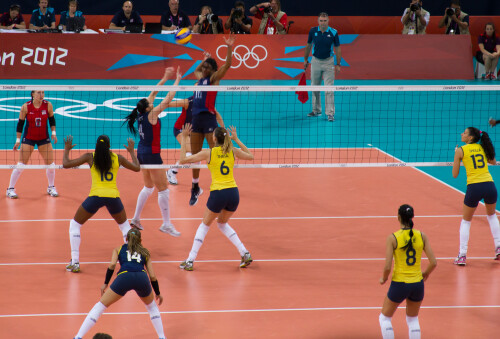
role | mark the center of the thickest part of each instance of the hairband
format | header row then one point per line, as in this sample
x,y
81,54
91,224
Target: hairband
x,y
101,140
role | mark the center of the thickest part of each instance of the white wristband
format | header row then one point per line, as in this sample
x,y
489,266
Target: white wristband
x,y
18,140
53,133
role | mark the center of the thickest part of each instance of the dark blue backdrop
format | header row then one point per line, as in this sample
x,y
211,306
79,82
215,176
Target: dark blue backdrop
x,y
291,7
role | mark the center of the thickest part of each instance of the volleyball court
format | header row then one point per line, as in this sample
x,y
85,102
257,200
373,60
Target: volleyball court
x,y
317,236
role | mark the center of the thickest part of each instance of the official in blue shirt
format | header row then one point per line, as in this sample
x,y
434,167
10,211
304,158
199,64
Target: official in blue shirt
x,y
125,17
71,13
323,40
43,17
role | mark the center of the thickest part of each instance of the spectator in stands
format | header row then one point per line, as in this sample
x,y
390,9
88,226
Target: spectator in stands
x,y
238,22
174,19
125,17
415,19
71,13
456,21
273,20
489,50
325,40
43,17
12,19
207,22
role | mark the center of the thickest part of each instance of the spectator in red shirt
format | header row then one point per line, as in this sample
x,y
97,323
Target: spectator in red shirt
x,y
13,18
489,50
273,19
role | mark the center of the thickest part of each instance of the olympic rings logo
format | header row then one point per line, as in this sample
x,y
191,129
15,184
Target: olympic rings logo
x,y
243,59
99,112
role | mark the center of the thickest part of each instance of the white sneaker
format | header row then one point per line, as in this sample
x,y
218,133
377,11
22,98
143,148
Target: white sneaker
x,y
170,229
11,193
136,223
172,176
51,190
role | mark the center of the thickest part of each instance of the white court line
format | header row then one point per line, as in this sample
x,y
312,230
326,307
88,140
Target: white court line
x,y
258,218
230,260
250,310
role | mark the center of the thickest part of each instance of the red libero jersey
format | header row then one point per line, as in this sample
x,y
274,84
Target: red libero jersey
x,y
36,121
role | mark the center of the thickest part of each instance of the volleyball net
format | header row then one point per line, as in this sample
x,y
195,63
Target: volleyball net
x,y
374,126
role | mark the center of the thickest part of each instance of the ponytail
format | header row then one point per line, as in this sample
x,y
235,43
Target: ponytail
x,y
223,139
102,155
406,215
484,140
132,117
135,244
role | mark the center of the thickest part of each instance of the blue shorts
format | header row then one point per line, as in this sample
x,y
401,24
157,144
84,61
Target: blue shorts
x,y
483,190
137,281
35,142
204,123
149,158
400,291
177,132
226,199
93,204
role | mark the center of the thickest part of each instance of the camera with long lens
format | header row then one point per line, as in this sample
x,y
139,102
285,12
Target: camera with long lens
x,y
237,13
414,7
212,18
450,11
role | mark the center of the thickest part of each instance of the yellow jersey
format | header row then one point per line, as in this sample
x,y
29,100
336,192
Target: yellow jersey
x,y
407,262
221,168
104,184
476,164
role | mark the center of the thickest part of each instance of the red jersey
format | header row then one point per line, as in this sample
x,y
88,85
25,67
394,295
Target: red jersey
x,y
186,115
36,121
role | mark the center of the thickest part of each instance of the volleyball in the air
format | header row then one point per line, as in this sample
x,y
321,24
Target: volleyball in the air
x,y
183,36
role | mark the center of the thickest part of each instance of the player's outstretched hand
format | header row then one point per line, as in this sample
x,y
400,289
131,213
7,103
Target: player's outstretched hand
x,y
159,299
179,74
232,133
168,72
130,146
230,41
68,143
186,130
492,122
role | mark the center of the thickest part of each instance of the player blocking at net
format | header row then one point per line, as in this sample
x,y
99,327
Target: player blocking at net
x,y
149,152
224,195
35,113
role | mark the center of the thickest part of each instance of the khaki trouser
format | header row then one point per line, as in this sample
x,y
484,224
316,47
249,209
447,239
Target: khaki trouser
x,y
323,70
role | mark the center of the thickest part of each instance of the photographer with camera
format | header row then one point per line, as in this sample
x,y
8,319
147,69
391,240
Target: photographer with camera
x,y
415,19
207,22
456,21
273,20
238,22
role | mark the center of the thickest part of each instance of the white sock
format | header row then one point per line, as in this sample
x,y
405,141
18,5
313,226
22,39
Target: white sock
x,y
233,237
74,240
15,175
91,319
386,327
141,201
195,181
155,316
198,241
413,327
495,228
125,227
51,175
164,208
464,237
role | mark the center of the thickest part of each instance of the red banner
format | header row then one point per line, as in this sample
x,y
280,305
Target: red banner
x,y
257,57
